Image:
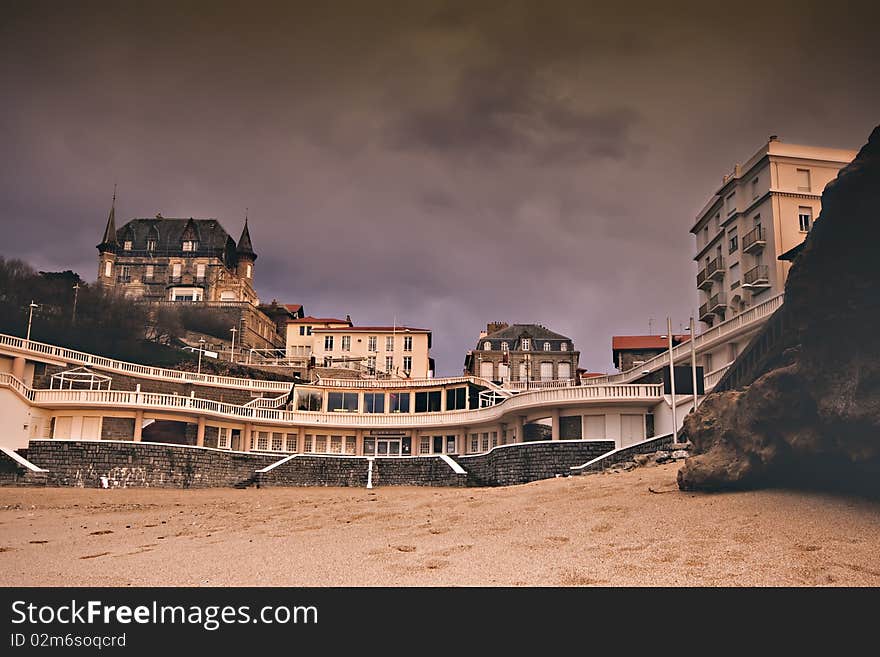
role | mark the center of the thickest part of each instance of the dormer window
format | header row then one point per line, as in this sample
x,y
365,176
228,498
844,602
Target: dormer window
x,y
487,346
526,344
151,245
563,346
127,245
546,346
190,245
505,346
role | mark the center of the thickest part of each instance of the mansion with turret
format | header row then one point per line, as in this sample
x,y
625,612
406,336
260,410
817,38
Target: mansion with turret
x,y
171,259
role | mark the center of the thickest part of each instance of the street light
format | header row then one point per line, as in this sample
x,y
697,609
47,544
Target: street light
x,y
672,381
31,318
232,349
201,349
75,295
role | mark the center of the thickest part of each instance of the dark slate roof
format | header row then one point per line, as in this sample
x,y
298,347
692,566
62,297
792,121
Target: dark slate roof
x,y
533,331
244,242
169,233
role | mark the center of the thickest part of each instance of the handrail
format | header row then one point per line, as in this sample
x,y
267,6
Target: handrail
x,y
682,351
522,401
147,371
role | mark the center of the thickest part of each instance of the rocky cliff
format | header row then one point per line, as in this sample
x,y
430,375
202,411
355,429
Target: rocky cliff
x,y
813,419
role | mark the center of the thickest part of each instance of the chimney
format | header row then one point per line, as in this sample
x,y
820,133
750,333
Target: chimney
x,y
491,327
483,334
774,137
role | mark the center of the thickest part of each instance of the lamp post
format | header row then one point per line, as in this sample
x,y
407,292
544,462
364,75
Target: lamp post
x,y
672,381
75,295
232,349
31,318
693,362
201,349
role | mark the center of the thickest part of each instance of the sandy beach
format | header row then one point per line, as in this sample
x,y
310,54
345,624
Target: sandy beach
x,y
631,529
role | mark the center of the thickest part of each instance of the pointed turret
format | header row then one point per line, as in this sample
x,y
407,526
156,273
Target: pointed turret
x,y
108,242
245,248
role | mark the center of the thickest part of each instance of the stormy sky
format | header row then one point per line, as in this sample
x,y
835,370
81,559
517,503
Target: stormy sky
x,y
442,163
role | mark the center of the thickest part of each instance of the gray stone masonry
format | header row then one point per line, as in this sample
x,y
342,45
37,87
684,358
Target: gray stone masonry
x,y
627,453
143,465
322,470
525,462
117,428
13,473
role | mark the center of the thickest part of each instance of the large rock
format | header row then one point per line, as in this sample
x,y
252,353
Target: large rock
x,y
814,418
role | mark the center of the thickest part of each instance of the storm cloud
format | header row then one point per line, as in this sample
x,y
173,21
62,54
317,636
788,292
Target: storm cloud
x,y
441,164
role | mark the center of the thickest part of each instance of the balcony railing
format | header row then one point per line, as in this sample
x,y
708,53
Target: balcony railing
x,y
703,282
717,303
715,268
754,240
757,278
705,313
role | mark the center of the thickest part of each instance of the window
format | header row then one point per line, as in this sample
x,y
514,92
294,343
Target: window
x,y
563,346
389,343
485,441
291,440
523,371
249,271
546,371
805,219
342,402
190,245
336,444
487,346
374,402
124,274
708,360
475,442
705,235
127,245
200,271
262,441
398,402
372,343
730,204
108,268
526,344
176,269
456,399
450,445
407,343
732,242
308,400
407,363
350,444
425,445
151,245
149,271
321,444
308,443
717,222
428,401
277,441
369,446
371,364
186,294
755,193
564,371
328,343
223,438
803,180
546,346
302,330
308,330
505,346
346,343
328,361
389,363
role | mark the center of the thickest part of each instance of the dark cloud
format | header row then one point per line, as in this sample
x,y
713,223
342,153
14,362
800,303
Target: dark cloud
x,y
441,163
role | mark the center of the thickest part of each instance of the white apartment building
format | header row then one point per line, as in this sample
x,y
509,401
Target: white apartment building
x,y
396,351
299,338
762,209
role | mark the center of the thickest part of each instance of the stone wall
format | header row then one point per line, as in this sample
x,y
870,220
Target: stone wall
x,y
142,465
525,462
626,454
319,470
13,473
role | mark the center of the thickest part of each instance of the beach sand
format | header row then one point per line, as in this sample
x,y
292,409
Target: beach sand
x,y
606,529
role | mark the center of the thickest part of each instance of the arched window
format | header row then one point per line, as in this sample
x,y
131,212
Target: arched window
x,y
505,346
546,346
487,346
564,346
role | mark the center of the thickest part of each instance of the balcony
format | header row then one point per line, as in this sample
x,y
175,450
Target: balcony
x,y
717,303
715,268
705,313
703,282
754,240
757,279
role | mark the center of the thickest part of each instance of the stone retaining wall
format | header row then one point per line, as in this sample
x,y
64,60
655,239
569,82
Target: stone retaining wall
x,y
524,462
142,465
626,454
322,470
13,473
